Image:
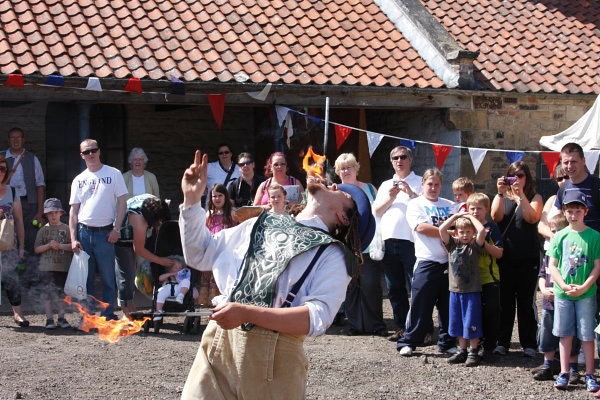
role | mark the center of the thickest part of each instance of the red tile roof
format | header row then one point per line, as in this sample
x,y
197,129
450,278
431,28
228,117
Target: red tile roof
x,y
349,42
528,45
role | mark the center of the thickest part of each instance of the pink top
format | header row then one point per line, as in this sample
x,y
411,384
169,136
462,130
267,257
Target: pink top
x,y
216,224
265,197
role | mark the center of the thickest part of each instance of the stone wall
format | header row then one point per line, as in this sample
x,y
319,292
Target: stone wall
x,y
514,122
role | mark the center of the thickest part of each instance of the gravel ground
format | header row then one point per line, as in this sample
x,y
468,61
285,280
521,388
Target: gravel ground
x,y
64,364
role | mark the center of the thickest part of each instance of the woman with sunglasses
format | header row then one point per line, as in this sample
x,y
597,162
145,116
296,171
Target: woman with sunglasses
x,y
10,208
517,210
223,171
276,170
243,189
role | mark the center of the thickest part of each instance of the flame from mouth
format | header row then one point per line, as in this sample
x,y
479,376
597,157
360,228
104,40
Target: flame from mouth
x,y
313,163
110,331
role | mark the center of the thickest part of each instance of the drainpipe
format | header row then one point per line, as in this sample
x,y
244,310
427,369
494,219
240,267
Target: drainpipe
x,y
84,125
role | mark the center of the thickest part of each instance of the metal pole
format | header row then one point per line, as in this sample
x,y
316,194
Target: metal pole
x,y
326,126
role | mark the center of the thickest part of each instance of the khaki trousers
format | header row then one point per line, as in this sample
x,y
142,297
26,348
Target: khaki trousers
x,y
256,364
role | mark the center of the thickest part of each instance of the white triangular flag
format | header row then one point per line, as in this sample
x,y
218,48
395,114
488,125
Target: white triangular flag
x,y
290,128
591,160
94,84
477,156
281,113
373,140
262,95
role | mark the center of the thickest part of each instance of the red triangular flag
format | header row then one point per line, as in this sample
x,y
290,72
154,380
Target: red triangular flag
x,y
133,85
15,80
217,106
441,153
341,134
551,159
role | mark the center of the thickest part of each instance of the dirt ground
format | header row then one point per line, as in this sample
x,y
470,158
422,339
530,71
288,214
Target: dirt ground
x,y
65,364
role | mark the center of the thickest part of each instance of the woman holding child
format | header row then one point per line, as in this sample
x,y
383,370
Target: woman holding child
x,y
517,209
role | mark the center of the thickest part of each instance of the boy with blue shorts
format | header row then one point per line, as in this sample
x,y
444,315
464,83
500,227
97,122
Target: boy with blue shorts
x,y
464,284
574,263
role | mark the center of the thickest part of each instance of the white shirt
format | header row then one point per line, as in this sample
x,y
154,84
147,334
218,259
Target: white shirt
x,y
393,221
18,179
137,185
97,194
423,211
323,291
216,174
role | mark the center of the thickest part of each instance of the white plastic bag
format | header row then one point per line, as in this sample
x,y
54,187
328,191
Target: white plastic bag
x,y
76,283
377,247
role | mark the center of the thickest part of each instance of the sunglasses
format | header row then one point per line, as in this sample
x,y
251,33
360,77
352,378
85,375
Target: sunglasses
x,y
90,151
3,169
400,157
519,175
279,164
224,152
561,178
243,164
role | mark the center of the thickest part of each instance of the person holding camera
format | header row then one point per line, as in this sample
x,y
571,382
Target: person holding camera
x,y
392,199
516,209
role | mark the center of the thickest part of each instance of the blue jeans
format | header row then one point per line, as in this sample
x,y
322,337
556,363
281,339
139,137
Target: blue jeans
x,y
398,263
102,259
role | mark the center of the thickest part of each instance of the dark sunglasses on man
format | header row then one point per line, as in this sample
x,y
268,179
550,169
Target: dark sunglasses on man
x,y
89,151
400,157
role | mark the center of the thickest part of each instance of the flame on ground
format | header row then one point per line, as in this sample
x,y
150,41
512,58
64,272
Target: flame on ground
x,y
313,163
111,331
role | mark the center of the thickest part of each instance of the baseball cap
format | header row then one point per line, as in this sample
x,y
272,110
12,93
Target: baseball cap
x,y
575,196
52,204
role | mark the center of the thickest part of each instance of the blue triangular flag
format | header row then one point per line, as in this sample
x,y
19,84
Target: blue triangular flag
x,y
408,143
55,80
316,120
177,86
514,156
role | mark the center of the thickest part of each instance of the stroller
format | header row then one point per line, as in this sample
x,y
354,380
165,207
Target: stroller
x,y
167,242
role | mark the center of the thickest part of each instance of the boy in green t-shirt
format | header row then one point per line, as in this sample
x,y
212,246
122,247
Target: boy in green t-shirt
x,y
575,266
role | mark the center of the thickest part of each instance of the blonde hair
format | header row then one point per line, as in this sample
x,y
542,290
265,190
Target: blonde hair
x,y
432,172
559,221
464,223
346,159
480,199
464,184
276,186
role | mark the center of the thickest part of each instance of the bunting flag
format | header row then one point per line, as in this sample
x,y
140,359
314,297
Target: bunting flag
x,y
217,106
94,84
281,114
316,120
262,95
341,134
477,156
15,80
133,85
441,152
373,140
290,128
177,86
591,159
55,80
514,156
408,143
551,159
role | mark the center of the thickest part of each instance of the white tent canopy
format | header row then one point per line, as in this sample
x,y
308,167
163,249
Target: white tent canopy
x,y
585,132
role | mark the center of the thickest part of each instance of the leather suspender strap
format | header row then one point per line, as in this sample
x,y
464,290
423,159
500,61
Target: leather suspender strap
x,y
296,288
12,172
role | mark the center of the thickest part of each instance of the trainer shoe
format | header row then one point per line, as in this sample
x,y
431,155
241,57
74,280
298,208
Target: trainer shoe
x,y
406,351
63,323
591,384
529,352
158,315
473,359
458,358
50,324
562,380
501,350
543,374
179,298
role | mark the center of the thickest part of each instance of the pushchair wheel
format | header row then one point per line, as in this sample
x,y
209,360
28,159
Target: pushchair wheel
x,y
198,327
188,324
157,325
146,326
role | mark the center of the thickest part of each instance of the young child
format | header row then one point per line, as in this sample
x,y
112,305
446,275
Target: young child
x,y
277,198
479,206
464,284
219,216
179,277
53,242
462,188
547,342
574,263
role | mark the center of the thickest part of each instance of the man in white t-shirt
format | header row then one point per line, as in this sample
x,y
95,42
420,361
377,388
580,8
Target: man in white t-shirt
x,y
390,205
98,199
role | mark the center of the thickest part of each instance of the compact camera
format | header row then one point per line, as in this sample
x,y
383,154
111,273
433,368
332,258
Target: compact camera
x,y
397,183
509,180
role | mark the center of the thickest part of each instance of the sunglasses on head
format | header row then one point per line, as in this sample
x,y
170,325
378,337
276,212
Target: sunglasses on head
x,y
243,164
519,175
400,157
561,178
224,152
90,151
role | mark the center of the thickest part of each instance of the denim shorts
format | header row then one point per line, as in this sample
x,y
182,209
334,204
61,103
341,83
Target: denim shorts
x,y
575,318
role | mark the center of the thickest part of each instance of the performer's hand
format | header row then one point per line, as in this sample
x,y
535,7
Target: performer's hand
x,y
193,182
229,315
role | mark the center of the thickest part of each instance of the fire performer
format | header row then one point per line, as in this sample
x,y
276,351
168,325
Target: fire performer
x,y
281,279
